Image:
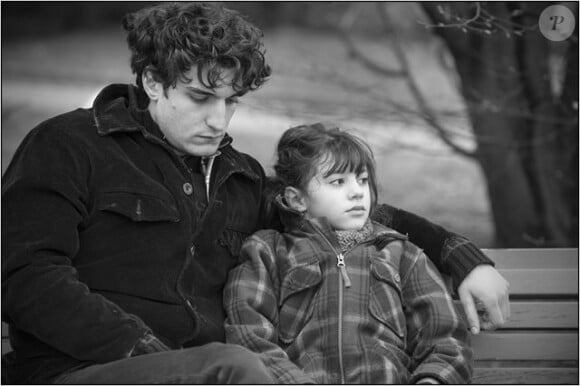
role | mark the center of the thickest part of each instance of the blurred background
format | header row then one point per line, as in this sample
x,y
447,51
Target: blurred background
x,y
471,111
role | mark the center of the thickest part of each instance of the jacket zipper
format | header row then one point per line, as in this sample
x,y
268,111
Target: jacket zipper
x,y
343,281
340,312
342,268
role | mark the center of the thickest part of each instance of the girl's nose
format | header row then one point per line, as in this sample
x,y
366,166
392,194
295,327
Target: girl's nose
x,y
356,190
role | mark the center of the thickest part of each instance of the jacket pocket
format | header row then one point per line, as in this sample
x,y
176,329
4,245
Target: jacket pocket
x,y
385,303
297,292
138,206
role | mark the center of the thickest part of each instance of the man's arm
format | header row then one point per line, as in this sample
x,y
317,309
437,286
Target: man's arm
x,y
251,304
473,274
452,254
44,202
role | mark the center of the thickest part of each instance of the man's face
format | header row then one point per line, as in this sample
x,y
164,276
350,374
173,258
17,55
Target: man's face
x,y
193,118
343,198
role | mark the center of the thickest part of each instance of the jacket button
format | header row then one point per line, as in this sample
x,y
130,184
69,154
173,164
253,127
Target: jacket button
x,y
397,278
187,188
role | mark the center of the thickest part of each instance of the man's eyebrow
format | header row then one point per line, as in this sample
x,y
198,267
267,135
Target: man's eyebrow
x,y
211,93
199,91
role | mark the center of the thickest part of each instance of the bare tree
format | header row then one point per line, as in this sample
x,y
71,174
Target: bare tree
x,y
521,93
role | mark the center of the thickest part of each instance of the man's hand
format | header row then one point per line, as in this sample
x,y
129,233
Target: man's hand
x,y
486,287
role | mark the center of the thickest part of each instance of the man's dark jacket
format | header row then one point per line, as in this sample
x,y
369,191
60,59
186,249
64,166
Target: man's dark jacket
x,y
108,235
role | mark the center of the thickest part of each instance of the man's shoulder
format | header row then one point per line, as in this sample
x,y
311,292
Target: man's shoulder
x,y
64,128
244,161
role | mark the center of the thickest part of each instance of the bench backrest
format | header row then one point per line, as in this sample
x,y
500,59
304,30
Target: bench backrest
x,y
539,344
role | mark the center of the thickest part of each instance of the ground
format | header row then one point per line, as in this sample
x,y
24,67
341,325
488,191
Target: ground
x,y
313,79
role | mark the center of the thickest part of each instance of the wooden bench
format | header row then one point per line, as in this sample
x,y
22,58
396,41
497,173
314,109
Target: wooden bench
x,y
539,344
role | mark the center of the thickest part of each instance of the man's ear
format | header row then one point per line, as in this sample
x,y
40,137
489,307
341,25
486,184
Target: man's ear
x,y
295,199
152,87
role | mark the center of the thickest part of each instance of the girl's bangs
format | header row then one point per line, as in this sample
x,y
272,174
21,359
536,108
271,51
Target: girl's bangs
x,y
346,157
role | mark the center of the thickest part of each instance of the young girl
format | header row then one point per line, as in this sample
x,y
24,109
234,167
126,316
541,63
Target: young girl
x,y
337,298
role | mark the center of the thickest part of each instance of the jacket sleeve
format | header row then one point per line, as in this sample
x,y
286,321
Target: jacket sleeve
x,y
251,303
452,254
44,203
437,337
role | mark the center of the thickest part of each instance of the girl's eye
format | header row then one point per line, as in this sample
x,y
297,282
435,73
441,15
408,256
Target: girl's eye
x,y
363,178
337,182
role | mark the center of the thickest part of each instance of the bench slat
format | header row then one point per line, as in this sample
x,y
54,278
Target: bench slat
x,y
529,345
534,282
525,375
544,315
539,314
537,258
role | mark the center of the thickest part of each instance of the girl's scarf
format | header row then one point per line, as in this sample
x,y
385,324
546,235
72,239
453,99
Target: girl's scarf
x,y
348,239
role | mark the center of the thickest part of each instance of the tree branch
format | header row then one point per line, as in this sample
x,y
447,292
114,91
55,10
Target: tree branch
x,y
345,26
466,23
426,111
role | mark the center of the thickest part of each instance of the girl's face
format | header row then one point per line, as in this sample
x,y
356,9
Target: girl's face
x,y
343,198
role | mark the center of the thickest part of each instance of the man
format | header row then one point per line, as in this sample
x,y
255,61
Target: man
x,y
121,222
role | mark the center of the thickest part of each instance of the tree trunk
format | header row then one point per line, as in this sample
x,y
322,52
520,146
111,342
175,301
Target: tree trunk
x,y
527,140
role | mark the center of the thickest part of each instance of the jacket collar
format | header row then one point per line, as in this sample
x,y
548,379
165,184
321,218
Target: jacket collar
x,y
112,114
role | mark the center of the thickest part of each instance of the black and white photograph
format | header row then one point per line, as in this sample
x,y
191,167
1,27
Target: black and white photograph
x,y
283,192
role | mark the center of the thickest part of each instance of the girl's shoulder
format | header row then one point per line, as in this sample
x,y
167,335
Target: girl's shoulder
x,y
282,252
396,245
262,238
276,243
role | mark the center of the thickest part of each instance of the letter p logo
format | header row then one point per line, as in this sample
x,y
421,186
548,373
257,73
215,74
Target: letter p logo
x,y
557,23
557,20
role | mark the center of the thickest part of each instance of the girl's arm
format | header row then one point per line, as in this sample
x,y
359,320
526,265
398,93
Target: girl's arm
x,y
251,303
473,274
437,338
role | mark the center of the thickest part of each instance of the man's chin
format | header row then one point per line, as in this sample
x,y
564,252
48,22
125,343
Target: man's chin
x,y
201,151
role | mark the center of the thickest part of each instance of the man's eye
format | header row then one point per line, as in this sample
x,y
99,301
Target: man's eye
x,y
200,98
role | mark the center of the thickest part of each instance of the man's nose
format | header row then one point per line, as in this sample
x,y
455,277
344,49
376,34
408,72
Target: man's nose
x,y
217,116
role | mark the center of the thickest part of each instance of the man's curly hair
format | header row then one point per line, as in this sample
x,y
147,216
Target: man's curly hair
x,y
170,38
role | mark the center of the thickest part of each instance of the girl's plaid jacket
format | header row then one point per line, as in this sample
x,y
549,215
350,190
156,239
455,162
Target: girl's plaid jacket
x,y
387,319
